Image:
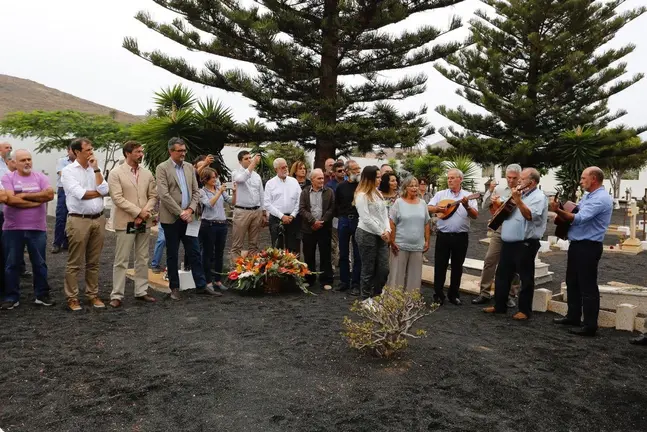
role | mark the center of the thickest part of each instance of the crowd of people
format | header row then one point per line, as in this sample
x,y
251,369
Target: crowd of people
x,y
370,224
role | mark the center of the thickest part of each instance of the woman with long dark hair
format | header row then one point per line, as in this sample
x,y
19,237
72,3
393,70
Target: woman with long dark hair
x,y
390,188
373,233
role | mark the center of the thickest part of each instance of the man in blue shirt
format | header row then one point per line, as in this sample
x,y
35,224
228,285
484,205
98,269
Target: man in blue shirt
x,y
60,239
586,234
520,235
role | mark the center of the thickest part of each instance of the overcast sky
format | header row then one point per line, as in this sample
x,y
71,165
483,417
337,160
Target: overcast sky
x,y
75,46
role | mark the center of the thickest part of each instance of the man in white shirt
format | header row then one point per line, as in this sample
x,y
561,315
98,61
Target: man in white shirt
x,y
452,237
493,199
85,188
249,214
282,194
60,239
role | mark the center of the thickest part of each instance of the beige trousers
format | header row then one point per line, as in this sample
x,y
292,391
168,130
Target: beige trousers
x,y
334,247
85,238
245,222
405,270
489,267
123,248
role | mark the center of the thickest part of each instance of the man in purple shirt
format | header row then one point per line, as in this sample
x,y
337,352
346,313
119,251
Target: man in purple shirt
x,y
25,225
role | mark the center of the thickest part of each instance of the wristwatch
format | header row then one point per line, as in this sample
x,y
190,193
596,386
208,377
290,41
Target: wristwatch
x,y
97,170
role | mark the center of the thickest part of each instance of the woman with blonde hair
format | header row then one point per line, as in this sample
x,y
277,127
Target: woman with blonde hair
x,y
298,171
410,231
373,233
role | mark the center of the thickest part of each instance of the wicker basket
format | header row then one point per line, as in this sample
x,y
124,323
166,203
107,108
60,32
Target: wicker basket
x,y
272,285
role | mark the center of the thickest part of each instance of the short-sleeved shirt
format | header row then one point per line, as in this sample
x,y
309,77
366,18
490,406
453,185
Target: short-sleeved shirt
x,y
25,218
460,220
60,164
214,212
516,228
410,221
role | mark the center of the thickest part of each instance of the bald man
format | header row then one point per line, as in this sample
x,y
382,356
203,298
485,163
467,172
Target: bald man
x,y
25,225
586,234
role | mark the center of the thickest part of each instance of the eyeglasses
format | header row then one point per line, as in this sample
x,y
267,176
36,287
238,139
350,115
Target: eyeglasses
x,y
179,151
340,171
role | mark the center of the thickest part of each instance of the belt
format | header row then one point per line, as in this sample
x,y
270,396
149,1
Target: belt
x,y
348,217
92,216
214,222
247,208
453,233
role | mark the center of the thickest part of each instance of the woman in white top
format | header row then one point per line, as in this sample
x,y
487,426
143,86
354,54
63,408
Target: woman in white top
x,y
410,230
373,233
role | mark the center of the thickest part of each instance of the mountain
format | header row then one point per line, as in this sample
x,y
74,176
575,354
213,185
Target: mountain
x,y
17,94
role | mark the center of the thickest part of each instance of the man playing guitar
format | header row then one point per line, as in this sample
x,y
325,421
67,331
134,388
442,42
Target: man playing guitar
x,y
520,235
452,238
494,198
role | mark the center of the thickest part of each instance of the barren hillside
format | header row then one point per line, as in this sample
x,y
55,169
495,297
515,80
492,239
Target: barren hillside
x,y
17,94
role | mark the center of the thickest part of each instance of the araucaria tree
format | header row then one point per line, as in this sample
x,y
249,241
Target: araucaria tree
x,y
539,68
302,50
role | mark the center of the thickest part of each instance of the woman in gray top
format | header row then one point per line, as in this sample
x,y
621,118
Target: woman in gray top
x,y
410,231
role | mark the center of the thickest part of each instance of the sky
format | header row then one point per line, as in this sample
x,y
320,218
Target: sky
x,y
75,46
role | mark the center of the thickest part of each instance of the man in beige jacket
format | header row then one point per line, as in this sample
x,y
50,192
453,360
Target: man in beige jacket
x,y
177,187
133,193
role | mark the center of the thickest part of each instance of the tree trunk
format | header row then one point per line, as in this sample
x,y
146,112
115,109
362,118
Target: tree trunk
x,y
326,145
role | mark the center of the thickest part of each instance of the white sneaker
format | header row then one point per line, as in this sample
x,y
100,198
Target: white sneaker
x,y
327,287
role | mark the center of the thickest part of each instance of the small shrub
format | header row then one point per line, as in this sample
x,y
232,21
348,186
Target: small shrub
x,y
388,321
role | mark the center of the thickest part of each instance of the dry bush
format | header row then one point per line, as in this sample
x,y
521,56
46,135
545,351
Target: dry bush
x,y
388,321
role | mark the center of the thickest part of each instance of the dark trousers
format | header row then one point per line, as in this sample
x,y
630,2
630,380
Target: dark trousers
x,y
454,246
516,257
14,243
284,236
318,239
375,263
60,238
582,282
175,233
2,275
213,237
346,229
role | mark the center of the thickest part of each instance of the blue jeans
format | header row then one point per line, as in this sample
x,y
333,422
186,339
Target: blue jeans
x,y
346,228
13,243
160,244
60,238
213,238
175,233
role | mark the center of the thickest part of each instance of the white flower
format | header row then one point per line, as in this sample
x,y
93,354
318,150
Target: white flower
x,y
246,274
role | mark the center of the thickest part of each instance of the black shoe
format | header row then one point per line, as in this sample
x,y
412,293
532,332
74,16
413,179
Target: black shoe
x,y
481,300
342,288
56,249
438,299
583,331
566,321
354,292
44,301
456,301
9,304
640,340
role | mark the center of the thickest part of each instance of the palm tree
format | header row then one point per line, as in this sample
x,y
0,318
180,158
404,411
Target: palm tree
x,y
466,165
206,126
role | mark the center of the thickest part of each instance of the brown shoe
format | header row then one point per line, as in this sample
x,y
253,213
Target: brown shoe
x,y
520,316
489,309
115,303
175,294
96,302
74,305
146,298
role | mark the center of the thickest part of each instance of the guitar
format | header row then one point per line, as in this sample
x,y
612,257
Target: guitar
x,y
450,206
504,211
561,230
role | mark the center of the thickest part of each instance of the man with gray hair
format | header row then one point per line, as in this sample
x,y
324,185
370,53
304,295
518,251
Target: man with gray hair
x,y
520,235
281,200
494,198
452,236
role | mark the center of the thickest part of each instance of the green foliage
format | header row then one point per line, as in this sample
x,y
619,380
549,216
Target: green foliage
x,y
616,166
206,126
291,152
298,86
466,165
426,166
538,68
53,130
388,321
578,149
